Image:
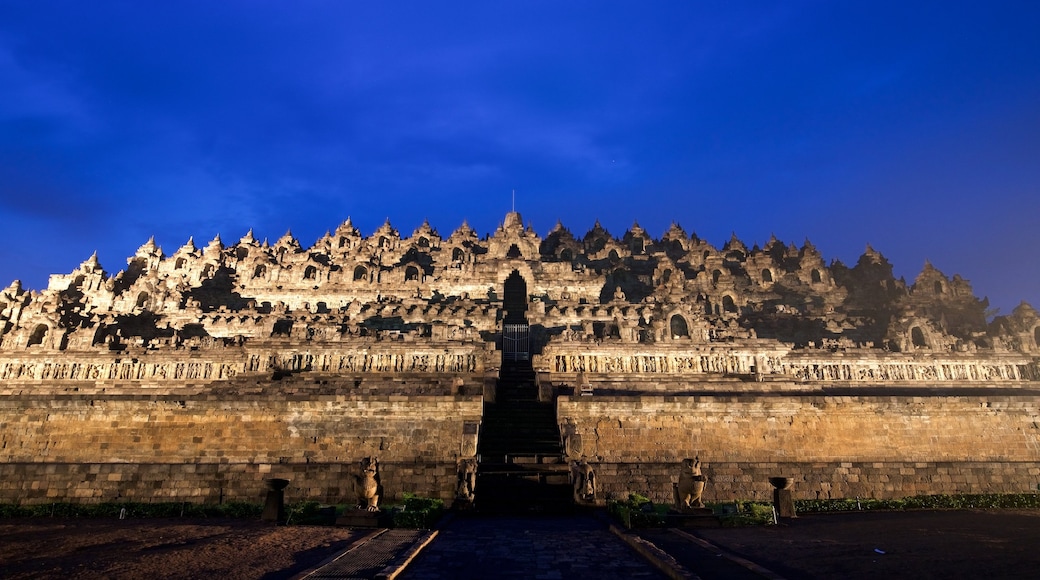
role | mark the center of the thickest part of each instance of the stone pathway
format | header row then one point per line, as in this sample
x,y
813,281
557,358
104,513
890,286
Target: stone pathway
x,y
527,547
367,557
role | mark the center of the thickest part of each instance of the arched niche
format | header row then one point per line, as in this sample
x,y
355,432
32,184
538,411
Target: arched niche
x,y
179,263
310,273
1036,336
767,275
260,271
514,298
815,276
360,274
38,334
142,300
728,304
917,337
566,255
411,273
457,255
715,275
424,242
678,327
937,287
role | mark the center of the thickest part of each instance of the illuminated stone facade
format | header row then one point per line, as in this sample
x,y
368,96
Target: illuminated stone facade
x,y
101,370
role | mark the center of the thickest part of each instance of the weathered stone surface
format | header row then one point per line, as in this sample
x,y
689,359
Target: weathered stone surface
x,y
200,373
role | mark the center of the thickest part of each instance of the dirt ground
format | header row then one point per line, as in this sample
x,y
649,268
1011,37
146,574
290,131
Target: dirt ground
x,y
913,544
163,548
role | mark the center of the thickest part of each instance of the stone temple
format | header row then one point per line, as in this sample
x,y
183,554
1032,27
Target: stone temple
x,y
497,369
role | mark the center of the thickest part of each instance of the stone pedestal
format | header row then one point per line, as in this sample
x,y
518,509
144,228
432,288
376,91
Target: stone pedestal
x,y
274,507
693,518
783,500
359,519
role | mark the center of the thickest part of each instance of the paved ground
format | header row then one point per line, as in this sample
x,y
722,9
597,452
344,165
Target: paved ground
x,y
524,547
867,545
911,544
705,562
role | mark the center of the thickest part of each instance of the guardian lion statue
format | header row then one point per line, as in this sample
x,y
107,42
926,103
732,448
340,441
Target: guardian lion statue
x,y
367,485
584,479
691,485
467,482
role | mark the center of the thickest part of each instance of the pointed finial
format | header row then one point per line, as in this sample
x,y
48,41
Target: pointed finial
x,y
92,261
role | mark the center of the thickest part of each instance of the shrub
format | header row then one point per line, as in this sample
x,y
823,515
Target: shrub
x,y
416,512
134,510
638,511
960,501
745,513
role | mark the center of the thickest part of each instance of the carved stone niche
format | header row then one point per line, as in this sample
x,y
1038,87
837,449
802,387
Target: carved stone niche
x,y
470,431
572,444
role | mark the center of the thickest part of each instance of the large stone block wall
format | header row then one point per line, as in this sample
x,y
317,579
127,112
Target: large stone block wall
x,y
33,483
729,480
871,446
150,447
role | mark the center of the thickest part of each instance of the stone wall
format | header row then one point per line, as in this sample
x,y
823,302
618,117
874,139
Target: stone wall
x,y
33,483
729,480
143,367
769,361
212,447
837,446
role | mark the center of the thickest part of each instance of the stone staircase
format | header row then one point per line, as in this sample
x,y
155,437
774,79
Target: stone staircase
x,y
522,467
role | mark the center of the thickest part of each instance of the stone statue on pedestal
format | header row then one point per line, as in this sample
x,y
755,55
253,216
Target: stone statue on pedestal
x,y
367,486
584,479
465,490
691,485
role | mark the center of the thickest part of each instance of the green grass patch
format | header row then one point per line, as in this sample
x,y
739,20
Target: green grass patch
x,y
415,512
638,511
132,510
743,513
925,502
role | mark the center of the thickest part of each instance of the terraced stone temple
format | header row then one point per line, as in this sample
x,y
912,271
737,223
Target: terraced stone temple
x,y
197,375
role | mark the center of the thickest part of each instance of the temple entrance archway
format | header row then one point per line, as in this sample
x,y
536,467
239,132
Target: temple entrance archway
x,y
516,332
519,443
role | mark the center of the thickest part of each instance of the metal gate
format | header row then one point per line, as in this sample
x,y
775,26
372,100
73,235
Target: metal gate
x,y
516,342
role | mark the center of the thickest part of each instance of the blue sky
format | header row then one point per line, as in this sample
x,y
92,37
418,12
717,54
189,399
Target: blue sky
x,y
914,127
